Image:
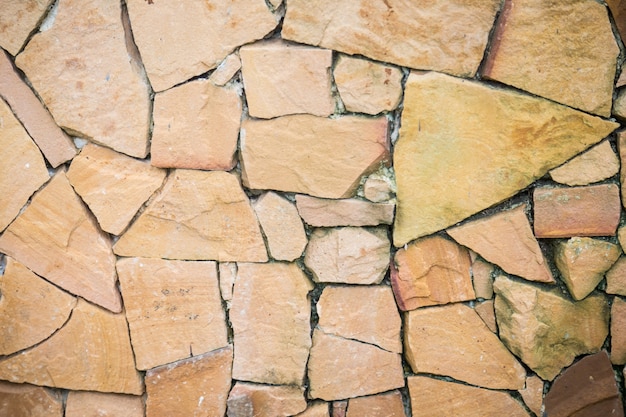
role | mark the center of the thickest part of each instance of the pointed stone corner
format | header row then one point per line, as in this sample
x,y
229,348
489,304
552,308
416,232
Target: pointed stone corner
x,y
56,237
96,404
226,70
24,400
199,215
18,20
246,399
509,140
594,165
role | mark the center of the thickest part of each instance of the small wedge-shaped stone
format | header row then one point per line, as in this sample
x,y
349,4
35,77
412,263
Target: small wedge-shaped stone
x,y
321,212
616,277
199,215
56,237
506,239
105,100
91,352
532,394
256,400
17,20
113,185
381,405
226,70
23,400
596,164
312,155
315,409
31,309
99,404
546,330
509,141
454,341
448,37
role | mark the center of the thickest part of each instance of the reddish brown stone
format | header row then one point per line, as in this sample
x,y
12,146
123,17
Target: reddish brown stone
x,y
99,404
381,405
618,10
17,20
255,400
618,331
339,408
24,400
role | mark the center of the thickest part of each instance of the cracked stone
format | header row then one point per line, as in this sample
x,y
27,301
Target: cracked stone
x,y
18,19
618,336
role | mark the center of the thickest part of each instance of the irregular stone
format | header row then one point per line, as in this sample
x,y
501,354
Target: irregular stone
x,y
621,147
98,404
173,308
312,155
448,38
255,400
587,388
227,273
433,398
96,340
56,146
485,309
187,46
198,215
381,405
196,126
22,170
429,272
506,239
104,100
315,409
282,226
592,210
361,369
453,341
616,277
23,400
618,336
339,408
546,330
366,86
621,81
226,70
113,185
366,314
196,386
282,79
56,238
619,105
482,278
31,309
581,78
378,188
321,212
18,20
583,262
532,394
594,165
618,10
350,255
517,138
272,339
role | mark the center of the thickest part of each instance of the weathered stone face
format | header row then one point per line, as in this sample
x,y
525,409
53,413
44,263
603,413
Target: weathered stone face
x,y
99,404
17,20
258,400
594,165
321,212
23,400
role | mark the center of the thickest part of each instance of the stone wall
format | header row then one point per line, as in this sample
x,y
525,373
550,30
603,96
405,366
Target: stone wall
x,y
312,208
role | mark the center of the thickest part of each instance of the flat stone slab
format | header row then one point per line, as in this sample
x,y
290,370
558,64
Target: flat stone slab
x,y
99,404
24,400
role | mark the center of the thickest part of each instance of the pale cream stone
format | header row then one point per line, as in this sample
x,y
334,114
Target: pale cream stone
x,y
596,164
322,212
18,19
227,273
256,400
98,404
532,394
226,70
24,400
381,405
378,188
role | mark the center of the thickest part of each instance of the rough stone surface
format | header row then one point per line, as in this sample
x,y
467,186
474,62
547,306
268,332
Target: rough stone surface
x,y
255,400
621,147
113,185
105,100
56,237
581,78
618,10
339,408
506,239
350,255
198,215
431,271
378,188
315,409
98,404
454,341
226,70
187,46
532,394
23,400
227,273
17,20
321,212
485,309
517,138
616,277
538,325
482,277
196,126
596,164
619,105
559,211
448,38
381,405
312,155
618,334
197,386
173,308
98,343
270,315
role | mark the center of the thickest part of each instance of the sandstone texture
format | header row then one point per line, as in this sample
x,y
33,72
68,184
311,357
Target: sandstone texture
x,y
315,409
381,405
532,394
226,70
616,277
18,20
255,400
482,278
618,335
23,400
486,311
618,10
594,165
98,404
227,272
322,212
378,188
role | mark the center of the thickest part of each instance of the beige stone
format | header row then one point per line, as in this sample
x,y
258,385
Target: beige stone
x,y
485,309
226,70
517,139
618,332
196,126
366,86
506,239
227,274
532,394
581,78
270,316
31,309
621,147
23,400
22,168
360,369
98,404
596,164
378,188
113,185
282,226
482,277
187,46
431,271
434,398
621,81
315,409
55,144
56,237
350,255
321,212
197,386
616,277
453,341
367,314
198,215
255,400
619,105
98,344
312,155
546,330
173,308
448,37
283,78
381,405
105,100
18,20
